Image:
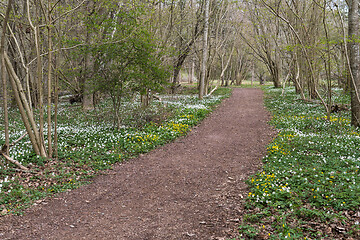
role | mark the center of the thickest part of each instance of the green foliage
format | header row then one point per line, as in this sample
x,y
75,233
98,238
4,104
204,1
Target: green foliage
x,y
127,60
248,231
311,170
117,54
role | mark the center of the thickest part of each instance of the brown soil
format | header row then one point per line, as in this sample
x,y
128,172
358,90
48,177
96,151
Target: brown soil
x,y
193,188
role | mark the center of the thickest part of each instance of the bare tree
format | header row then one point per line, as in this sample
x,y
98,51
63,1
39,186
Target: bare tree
x,y
205,50
264,33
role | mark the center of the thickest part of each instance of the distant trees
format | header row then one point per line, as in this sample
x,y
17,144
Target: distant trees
x,y
262,36
306,41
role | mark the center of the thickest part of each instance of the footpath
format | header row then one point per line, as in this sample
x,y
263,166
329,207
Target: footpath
x,y
193,188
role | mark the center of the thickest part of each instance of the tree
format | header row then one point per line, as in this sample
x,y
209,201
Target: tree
x,y
354,57
4,82
127,60
264,32
205,50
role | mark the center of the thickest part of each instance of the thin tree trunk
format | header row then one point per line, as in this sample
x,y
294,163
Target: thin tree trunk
x,y
192,71
327,63
5,104
88,100
49,122
56,103
40,93
252,74
39,82
3,76
222,75
205,51
32,135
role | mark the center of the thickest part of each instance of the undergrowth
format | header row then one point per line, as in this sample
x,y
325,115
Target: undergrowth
x,y
88,143
309,186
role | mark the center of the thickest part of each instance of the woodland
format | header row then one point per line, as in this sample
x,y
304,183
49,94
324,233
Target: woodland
x,y
106,80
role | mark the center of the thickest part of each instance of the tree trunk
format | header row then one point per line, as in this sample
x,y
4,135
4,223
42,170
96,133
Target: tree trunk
x,y
192,72
252,74
275,75
205,51
354,61
3,76
24,109
56,104
87,100
224,68
49,84
40,87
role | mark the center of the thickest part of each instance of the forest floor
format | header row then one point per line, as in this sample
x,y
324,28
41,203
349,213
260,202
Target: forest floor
x,y
193,188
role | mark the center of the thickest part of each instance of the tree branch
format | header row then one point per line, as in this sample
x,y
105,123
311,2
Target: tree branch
x,y
13,161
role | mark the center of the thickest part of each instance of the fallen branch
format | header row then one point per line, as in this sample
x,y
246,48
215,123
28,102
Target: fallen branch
x,y
8,158
13,161
212,91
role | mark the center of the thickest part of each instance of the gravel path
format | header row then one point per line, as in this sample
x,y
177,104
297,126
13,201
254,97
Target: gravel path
x,y
193,188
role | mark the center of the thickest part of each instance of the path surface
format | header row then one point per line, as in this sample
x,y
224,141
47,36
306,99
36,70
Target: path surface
x,y
190,189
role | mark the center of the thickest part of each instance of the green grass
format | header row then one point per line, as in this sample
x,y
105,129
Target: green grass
x,y
309,186
88,144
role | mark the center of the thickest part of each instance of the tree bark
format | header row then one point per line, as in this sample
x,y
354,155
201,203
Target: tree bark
x,y
3,76
56,103
24,108
88,100
39,84
49,84
354,56
205,51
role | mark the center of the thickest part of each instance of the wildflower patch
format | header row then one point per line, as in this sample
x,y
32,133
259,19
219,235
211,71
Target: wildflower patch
x,y
310,178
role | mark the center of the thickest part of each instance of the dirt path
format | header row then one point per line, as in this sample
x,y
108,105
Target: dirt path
x,y
190,189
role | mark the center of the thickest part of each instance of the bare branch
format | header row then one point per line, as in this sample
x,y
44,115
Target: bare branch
x,y
68,12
